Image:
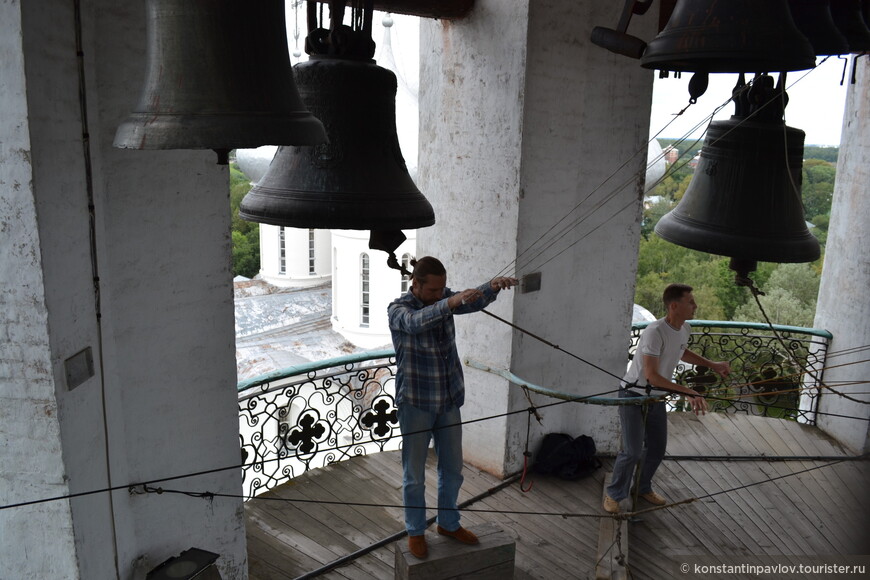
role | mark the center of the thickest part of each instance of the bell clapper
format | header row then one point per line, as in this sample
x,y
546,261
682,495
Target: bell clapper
x,y
742,267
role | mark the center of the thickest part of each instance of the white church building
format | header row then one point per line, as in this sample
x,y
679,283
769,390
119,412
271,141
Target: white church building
x,y
362,283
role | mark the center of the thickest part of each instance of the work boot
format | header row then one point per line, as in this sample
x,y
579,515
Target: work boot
x,y
611,506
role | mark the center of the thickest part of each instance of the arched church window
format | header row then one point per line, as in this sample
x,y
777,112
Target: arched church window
x,y
282,254
364,289
311,271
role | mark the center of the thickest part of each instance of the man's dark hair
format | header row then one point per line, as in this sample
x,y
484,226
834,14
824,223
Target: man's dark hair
x,y
674,292
426,266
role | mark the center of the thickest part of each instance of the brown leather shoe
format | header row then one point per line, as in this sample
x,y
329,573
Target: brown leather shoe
x,y
653,498
417,546
461,534
611,506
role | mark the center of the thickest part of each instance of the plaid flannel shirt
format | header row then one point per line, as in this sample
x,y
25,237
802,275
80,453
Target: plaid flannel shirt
x,y
429,373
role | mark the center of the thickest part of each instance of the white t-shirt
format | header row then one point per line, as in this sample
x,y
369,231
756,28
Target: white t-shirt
x,y
660,340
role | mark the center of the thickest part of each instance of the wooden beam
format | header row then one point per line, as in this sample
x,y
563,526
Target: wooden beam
x,y
441,9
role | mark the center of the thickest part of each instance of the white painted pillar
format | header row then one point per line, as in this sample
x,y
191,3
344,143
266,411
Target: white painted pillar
x,y
161,399
844,295
522,117
31,456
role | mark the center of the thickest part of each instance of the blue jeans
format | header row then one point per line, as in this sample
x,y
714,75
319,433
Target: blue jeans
x,y
634,435
418,427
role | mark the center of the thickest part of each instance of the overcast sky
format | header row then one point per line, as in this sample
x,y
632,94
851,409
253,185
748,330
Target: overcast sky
x,y
815,105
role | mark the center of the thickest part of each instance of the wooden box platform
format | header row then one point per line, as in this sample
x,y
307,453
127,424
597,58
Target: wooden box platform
x,y
491,559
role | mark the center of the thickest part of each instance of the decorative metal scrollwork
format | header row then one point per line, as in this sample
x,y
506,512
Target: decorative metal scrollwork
x,y
314,416
773,374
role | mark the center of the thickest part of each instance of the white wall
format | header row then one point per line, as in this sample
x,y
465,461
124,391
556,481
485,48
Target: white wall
x,y
31,462
384,282
843,307
584,156
297,271
163,400
472,77
520,120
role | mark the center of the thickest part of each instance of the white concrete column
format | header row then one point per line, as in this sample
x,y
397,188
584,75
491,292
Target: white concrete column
x,y
522,119
844,295
153,227
36,540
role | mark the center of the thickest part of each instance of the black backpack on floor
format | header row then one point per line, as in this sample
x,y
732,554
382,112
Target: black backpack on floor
x,y
566,457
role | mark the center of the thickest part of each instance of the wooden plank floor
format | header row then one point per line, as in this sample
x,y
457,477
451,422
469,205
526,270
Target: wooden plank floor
x,y
304,524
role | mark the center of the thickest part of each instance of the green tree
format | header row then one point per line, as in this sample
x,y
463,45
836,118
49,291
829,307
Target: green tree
x,y
781,306
801,280
245,234
731,296
666,187
817,190
648,292
652,213
681,188
791,291
709,306
246,253
240,185
820,227
661,263
828,154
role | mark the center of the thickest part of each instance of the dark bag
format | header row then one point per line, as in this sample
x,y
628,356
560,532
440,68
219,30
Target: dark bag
x,y
566,457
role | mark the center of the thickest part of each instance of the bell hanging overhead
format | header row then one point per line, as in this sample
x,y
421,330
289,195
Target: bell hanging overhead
x,y
729,37
813,18
358,180
218,77
849,19
744,198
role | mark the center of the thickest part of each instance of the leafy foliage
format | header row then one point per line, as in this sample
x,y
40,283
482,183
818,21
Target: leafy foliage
x,y
828,154
246,235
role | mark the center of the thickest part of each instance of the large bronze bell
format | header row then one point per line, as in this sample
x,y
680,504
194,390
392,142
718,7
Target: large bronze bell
x,y
218,77
744,198
849,19
358,180
813,18
735,36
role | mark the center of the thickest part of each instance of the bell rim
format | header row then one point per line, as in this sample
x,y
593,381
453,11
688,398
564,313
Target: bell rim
x,y
321,222
231,130
698,46
778,248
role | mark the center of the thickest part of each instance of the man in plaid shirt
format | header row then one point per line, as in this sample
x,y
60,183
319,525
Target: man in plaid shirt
x,y
430,390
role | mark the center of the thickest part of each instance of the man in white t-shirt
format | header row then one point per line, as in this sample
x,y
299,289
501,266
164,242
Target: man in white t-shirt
x,y
661,347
